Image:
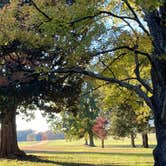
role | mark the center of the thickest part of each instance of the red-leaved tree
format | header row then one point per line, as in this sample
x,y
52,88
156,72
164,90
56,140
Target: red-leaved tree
x,y
100,128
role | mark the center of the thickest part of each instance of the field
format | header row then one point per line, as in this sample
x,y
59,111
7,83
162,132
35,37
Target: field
x,y
63,153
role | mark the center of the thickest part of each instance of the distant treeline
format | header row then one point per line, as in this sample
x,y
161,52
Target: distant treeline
x,y
31,135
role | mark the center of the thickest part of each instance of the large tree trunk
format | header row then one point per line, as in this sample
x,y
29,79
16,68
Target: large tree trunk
x,y
132,136
91,140
160,150
145,140
156,23
9,147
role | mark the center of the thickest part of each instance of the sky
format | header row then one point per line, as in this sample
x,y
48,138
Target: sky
x,y
38,124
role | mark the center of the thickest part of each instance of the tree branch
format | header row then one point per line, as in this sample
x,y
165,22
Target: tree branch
x,y
107,67
135,88
123,18
136,17
137,73
114,60
100,13
116,16
40,11
124,47
96,88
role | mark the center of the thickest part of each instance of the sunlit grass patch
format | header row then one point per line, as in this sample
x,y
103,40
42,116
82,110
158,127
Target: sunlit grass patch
x,y
75,153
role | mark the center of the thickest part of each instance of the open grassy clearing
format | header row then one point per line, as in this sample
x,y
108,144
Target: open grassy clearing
x,y
63,153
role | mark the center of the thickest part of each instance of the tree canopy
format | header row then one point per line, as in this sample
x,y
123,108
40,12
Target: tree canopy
x,y
80,124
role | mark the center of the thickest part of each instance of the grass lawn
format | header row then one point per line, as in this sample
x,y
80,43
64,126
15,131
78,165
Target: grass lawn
x,y
63,153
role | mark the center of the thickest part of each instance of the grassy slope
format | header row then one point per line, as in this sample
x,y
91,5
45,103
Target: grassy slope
x,y
62,153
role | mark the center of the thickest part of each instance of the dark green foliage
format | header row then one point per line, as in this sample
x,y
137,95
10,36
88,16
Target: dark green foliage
x,y
79,125
123,121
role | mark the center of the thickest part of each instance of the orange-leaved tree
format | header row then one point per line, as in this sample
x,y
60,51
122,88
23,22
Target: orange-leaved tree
x,y
100,128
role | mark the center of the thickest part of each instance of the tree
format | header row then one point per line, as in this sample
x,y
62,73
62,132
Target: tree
x,y
100,128
38,97
32,46
79,125
127,113
124,123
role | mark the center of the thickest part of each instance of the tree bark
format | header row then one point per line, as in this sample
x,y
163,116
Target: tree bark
x,y
102,143
156,23
9,147
91,140
132,136
160,150
86,141
145,140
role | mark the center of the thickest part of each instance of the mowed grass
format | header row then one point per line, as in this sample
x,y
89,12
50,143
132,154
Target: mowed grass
x,y
74,153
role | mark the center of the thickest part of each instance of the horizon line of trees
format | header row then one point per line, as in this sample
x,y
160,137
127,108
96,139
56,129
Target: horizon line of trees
x,y
31,135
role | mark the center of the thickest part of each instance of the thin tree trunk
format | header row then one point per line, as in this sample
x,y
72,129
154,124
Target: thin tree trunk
x,y
132,136
86,141
145,140
91,140
102,143
9,147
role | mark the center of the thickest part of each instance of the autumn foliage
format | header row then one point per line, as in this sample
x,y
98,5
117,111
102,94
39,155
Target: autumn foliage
x,y
100,129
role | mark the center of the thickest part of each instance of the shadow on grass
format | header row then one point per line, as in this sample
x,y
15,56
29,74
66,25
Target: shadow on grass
x,y
152,146
91,153
128,146
38,159
118,146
